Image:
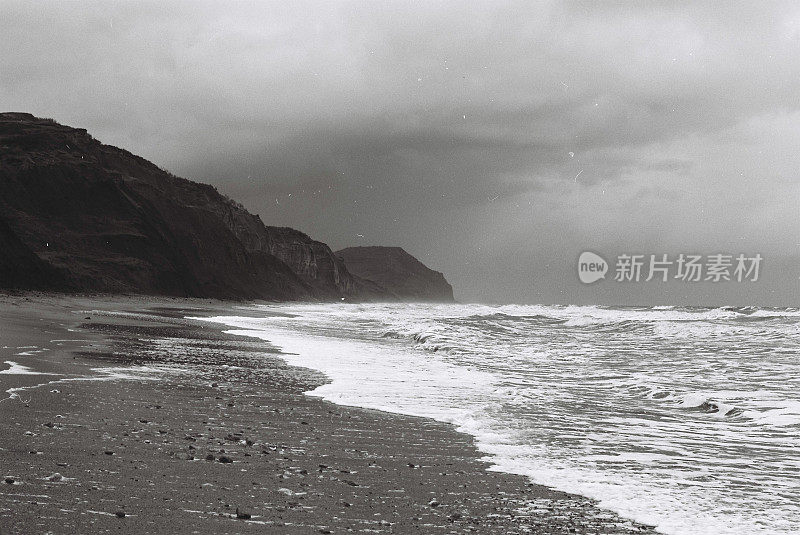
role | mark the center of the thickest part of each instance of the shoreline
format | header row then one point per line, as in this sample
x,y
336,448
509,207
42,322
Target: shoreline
x,y
126,444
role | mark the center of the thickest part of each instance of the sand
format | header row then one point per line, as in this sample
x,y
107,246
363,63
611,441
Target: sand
x,y
146,422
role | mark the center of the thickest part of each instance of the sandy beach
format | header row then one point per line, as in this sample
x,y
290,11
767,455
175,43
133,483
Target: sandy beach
x,y
121,416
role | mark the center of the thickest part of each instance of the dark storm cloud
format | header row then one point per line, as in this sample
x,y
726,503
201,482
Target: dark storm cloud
x,y
453,129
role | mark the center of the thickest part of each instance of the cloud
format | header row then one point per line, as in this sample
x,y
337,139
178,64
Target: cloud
x,y
402,118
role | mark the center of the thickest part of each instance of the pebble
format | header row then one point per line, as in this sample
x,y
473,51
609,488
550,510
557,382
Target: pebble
x,y
433,503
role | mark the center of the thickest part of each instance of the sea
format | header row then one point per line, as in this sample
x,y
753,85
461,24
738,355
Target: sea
x,y
687,419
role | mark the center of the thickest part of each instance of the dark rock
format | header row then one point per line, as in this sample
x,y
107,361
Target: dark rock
x,y
242,515
120,514
225,459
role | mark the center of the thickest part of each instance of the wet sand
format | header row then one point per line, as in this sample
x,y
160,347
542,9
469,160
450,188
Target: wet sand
x,y
151,423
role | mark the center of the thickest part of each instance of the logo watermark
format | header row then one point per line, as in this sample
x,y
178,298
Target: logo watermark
x,y
662,267
591,267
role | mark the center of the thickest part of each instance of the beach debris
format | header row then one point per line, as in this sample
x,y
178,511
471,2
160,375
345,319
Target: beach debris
x,y
242,515
286,491
108,452
433,503
9,480
55,477
120,514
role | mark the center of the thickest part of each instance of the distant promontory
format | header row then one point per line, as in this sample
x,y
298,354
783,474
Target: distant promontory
x,y
397,273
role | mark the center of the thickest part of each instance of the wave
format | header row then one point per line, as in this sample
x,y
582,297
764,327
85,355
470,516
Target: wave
x,y
663,414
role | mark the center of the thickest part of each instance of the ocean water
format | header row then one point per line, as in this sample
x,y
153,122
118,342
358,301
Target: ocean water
x,y
683,418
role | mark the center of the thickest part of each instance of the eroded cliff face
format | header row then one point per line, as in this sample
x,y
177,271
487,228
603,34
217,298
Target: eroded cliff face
x,y
312,260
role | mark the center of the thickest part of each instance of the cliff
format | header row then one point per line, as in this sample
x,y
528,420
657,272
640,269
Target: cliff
x,y
395,273
77,215
80,216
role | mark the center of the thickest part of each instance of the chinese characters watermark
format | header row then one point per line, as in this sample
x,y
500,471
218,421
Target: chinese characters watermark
x,y
662,267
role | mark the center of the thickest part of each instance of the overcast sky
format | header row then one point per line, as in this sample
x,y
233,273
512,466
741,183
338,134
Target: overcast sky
x,y
494,141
